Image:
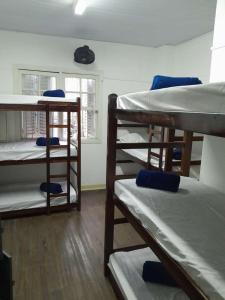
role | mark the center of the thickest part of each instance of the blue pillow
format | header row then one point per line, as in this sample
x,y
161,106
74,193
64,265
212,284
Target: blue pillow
x,y
155,272
165,181
54,141
53,188
161,82
54,93
41,141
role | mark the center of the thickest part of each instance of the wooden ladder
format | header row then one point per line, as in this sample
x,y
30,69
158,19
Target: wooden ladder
x,y
49,160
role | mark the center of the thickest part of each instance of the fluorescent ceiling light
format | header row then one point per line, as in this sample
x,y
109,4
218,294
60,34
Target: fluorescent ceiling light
x,y
80,6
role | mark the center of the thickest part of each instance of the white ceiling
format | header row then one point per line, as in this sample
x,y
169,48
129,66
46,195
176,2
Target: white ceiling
x,y
140,22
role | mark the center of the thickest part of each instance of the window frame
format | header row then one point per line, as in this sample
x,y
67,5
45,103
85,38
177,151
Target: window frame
x,y
60,75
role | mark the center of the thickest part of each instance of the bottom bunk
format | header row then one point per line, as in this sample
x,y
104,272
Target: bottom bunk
x,y
186,224
126,271
27,198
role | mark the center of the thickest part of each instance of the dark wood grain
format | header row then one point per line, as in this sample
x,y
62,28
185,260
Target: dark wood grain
x,y
60,257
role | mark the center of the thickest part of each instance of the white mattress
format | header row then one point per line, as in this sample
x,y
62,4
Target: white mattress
x,y
27,149
187,224
28,99
25,196
126,268
196,98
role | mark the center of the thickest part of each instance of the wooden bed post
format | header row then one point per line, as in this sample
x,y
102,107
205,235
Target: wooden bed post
x,y
48,157
111,170
186,153
169,151
79,156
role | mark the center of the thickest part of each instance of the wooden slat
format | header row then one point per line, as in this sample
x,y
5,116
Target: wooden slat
x,y
120,221
194,138
130,248
53,147
124,161
48,159
186,153
132,125
58,195
58,126
35,161
58,176
149,145
120,177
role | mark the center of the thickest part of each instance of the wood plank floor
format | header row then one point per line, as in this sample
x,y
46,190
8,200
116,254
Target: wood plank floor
x,y
60,257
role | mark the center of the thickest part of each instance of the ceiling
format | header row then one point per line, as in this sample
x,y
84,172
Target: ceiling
x,y
139,22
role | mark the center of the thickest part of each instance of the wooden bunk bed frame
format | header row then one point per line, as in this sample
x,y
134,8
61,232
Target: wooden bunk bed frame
x,y
164,136
48,107
204,123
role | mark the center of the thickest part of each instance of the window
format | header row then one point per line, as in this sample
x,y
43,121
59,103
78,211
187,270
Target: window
x,y
74,85
33,83
85,88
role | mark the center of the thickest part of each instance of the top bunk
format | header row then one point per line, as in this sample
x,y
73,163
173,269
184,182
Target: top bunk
x,y
198,108
37,103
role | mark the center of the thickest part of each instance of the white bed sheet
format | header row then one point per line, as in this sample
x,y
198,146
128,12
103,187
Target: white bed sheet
x,y
127,271
25,196
208,98
188,224
29,99
27,149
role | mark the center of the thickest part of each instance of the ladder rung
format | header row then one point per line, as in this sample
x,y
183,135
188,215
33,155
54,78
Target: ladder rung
x,y
52,147
59,176
58,126
58,195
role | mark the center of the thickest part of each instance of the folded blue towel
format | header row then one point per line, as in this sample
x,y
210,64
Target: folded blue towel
x,y
177,153
41,141
155,272
158,180
53,141
161,82
54,93
53,188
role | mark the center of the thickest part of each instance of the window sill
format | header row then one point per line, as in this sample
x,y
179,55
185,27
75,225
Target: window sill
x,y
91,141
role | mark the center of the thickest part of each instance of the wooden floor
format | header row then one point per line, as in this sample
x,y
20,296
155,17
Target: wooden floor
x,y
60,257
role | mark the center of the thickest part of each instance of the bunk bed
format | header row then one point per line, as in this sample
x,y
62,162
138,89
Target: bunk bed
x,y
26,199
181,230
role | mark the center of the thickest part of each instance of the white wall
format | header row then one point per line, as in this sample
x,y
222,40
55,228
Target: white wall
x,y
125,69
193,58
213,166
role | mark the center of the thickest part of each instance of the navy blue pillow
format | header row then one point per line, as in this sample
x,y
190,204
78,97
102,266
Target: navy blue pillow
x,y
161,82
53,188
41,141
165,181
54,141
155,272
54,93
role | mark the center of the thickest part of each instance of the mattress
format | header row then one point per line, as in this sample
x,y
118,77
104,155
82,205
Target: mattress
x,y
26,196
29,99
126,268
187,224
27,149
208,98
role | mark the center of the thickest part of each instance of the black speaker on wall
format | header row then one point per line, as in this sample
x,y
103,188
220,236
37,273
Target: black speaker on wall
x,y
84,55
